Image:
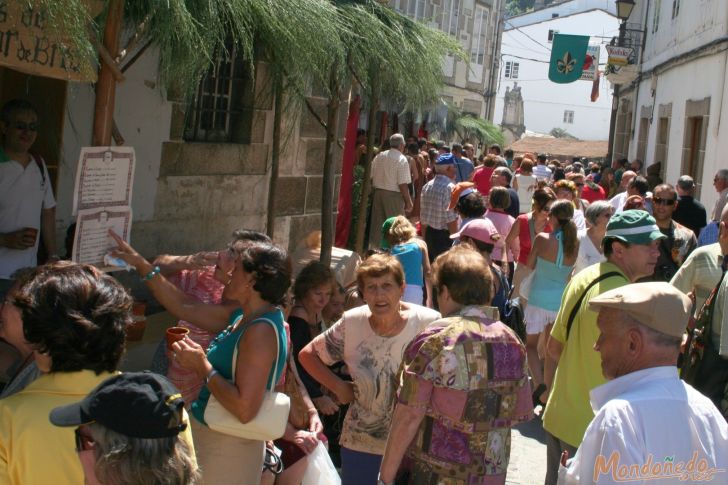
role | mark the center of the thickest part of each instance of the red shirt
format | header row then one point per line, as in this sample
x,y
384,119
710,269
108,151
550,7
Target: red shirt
x,y
591,195
524,237
481,178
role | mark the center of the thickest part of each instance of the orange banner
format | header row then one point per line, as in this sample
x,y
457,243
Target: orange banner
x,y
29,44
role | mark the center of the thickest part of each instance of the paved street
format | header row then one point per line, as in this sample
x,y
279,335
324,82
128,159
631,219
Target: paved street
x,y
528,454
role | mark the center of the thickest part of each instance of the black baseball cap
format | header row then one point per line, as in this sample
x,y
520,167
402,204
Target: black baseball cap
x,y
135,404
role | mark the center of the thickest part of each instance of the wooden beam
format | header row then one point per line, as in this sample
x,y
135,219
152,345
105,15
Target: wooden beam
x,y
109,62
106,85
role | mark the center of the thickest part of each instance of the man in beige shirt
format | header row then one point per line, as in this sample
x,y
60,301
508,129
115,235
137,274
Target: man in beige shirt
x,y
390,179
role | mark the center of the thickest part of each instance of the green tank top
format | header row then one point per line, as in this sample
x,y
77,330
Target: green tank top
x,y
221,350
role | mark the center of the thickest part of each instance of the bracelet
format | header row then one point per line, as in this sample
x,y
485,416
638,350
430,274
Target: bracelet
x,y
152,273
210,375
382,482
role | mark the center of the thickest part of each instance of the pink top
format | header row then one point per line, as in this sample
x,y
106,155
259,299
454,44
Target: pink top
x,y
201,285
481,178
503,223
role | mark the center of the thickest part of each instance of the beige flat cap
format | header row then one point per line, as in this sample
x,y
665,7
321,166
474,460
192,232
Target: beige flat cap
x,y
657,305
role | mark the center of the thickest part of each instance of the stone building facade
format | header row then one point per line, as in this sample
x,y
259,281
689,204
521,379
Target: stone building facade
x,y
191,195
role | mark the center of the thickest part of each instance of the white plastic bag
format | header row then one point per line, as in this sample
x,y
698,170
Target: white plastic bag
x,y
320,469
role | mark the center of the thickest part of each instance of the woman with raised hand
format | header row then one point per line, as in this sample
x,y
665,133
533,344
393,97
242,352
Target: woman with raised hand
x,y
242,363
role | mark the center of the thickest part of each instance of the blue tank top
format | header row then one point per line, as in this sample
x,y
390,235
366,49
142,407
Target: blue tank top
x,y
410,257
221,350
549,280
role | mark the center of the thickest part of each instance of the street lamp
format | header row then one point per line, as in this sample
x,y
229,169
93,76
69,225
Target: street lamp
x,y
624,9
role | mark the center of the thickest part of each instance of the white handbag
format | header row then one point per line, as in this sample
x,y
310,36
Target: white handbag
x,y
268,424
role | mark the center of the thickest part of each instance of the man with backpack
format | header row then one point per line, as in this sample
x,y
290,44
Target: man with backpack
x,y
631,248
27,205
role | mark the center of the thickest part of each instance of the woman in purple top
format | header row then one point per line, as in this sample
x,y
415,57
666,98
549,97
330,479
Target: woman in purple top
x,y
464,385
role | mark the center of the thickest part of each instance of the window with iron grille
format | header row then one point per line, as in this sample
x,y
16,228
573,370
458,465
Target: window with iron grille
x,y
220,110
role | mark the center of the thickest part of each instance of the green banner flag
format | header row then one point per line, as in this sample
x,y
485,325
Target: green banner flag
x,y
567,57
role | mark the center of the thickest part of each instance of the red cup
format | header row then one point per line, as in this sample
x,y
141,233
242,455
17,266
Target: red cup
x,y
175,334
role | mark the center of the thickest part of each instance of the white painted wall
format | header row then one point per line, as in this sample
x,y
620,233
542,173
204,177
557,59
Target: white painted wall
x,y
698,23
143,117
562,9
544,102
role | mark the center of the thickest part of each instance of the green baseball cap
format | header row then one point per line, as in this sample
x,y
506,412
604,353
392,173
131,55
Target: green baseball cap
x,y
634,227
384,244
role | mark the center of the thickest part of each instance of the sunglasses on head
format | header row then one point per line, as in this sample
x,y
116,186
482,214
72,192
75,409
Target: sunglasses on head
x,y
22,126
660,201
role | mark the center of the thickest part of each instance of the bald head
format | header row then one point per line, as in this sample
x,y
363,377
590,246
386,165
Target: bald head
x,y
627,177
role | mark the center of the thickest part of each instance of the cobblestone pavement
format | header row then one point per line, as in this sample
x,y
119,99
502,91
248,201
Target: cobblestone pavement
x,y
528,454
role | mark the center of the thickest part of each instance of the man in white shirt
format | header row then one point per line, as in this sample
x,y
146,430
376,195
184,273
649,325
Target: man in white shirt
x,y
649,426
541,171
27,205
390,179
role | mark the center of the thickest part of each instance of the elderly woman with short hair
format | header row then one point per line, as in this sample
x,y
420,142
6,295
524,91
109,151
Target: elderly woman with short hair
x,y
370,340
590,241
464,385
74,318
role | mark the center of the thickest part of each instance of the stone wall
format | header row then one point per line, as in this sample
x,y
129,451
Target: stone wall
x,y
207,190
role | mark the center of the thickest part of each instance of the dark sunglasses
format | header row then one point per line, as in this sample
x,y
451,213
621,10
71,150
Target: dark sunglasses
x,y
83,442
659,201
22,126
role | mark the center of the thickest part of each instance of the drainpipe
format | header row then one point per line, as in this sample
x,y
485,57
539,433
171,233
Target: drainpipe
x,y
491,92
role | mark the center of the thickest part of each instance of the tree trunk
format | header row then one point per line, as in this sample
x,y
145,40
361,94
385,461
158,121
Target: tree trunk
x,y
106,85
275,154
327,190
366,184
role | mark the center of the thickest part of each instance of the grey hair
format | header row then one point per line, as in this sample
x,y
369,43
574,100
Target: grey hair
x,y
656,337
722,174
596,209
442,169
396,140
123,460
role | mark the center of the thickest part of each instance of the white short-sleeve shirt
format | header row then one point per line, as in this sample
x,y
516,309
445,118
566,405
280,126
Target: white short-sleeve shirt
x,y
24,192
390,169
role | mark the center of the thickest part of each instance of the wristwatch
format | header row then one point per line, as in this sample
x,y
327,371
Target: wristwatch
x,y
382,482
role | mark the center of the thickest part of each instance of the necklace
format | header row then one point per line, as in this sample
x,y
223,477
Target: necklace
x,y
395,330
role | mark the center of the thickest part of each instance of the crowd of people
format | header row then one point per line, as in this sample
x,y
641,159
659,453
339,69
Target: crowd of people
x,y
494,291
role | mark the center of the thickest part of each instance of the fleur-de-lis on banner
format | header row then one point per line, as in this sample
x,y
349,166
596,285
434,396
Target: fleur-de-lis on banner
x,y
566,65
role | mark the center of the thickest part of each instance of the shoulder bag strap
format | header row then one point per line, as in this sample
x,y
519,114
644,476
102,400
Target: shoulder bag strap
x,y
40,162
708,306
576,307
274,376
